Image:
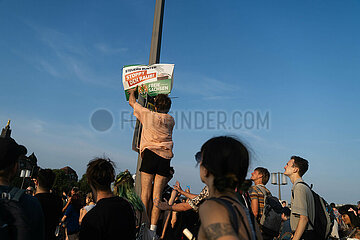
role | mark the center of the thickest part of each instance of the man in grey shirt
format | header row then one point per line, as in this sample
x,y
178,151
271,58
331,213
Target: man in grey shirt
x,y
302,201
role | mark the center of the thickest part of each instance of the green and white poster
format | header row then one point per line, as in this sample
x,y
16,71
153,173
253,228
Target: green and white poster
x,y
152,80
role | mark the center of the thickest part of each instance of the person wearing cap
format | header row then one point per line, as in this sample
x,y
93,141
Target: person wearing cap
x,y
10,152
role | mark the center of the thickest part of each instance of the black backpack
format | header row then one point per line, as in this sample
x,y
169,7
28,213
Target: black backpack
x,y
14,225
324,216
270,220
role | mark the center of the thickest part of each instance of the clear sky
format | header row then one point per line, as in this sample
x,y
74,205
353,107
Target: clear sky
x,y
285,75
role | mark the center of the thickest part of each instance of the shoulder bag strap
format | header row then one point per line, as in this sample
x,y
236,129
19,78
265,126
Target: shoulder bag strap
x,y
229,207
16,194
262,190
243,213
265,196
292,193
13,193
304,183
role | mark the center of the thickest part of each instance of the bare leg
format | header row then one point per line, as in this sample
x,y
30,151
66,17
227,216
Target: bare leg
x,y
66,235
146,190
159,184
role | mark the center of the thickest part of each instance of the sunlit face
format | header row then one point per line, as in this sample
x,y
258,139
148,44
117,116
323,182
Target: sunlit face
x,y
255,175
289,167
35,182
198,158
202,172
346,219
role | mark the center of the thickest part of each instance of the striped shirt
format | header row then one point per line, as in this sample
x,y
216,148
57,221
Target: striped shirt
x,y
255,193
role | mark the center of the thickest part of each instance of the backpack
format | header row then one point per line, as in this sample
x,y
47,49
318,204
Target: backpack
x,y
270,220
324,216
13,222
248,219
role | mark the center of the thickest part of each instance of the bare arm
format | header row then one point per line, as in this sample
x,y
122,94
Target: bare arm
x,y
67,204
82,214
173,219
180,207
300,227
182,192
173,196
132,99
188,195
255,207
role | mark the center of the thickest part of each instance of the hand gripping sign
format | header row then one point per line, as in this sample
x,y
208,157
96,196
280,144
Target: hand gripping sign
x,y
151,80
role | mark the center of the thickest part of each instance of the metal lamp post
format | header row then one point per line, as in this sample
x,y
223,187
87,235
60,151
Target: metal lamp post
x,y
154,58
24,174
275,179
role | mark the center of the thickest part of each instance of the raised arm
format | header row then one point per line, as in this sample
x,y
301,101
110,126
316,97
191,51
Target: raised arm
x,y
67,205
186,194
132,99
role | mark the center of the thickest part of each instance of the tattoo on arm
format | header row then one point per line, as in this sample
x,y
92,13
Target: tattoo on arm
x,y
217,230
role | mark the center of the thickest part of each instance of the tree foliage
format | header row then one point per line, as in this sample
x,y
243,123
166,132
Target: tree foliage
x,y
62,183
83,185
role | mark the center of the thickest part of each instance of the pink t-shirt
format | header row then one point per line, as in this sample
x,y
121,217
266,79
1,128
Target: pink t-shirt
x,y
156,131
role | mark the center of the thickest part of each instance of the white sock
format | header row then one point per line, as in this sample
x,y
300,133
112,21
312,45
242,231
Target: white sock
x,y
153,227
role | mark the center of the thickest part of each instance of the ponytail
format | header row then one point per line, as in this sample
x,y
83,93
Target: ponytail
x,y
229,181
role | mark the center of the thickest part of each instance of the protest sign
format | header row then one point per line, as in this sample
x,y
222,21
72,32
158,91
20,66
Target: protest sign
x,y
152,80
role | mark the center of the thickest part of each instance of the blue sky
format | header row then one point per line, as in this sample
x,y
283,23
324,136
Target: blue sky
x,y
297,61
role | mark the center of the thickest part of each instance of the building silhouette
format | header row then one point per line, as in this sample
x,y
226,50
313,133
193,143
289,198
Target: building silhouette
x,y
25,163
6,131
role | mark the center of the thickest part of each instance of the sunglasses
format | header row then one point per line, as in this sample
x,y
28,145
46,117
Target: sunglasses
x,y
198,157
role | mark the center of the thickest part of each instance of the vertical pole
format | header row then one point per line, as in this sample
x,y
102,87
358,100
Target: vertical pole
x,y
157,32
22,184
154,58
279,185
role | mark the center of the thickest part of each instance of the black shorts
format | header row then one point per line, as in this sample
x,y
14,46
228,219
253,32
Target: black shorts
x,y
154,164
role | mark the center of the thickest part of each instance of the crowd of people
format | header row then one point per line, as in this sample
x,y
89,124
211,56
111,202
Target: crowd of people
x,y
225,208
229,207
